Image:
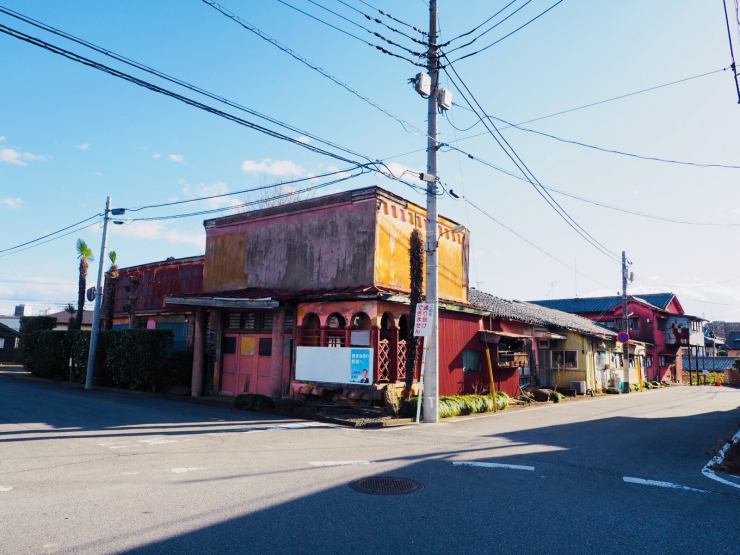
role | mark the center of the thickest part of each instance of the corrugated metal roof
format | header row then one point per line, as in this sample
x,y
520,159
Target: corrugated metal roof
x,y
718,364
733,339
536,314
602,304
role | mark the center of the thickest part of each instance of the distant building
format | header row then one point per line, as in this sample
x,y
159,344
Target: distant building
x,y
23,310
722,329
658,320
8,343
63,318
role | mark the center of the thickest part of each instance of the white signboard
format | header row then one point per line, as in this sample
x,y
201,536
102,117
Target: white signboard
x,y
350,365
424,319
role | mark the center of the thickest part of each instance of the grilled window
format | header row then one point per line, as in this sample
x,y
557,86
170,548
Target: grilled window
x,y
289,321
565,359
257,322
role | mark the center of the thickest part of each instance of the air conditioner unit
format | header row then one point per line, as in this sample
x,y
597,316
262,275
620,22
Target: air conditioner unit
x,y
580,387
543,343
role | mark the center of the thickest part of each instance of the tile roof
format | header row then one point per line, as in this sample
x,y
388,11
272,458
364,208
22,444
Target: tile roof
x,y
717,364
63,317
536,314
733,340
602,304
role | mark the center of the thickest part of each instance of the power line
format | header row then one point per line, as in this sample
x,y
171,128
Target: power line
x,y
378,21
492,27
243,191
473,30
53,233
170,78
378,35
383,50
154,88
602,149
732,53
507,36
684,296
305,61
588,200
529,175
530,243
389,16
49,240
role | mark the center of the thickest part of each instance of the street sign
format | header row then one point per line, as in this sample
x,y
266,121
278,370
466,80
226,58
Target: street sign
x,y
91,294
623,337
424,319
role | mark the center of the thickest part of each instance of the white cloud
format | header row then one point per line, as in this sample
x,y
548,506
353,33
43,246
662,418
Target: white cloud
x,y
155,156
157,231
203,190
99,174
11,156
10,202
84,146
305,140
176,157
2,139
336,169
272,167
399,170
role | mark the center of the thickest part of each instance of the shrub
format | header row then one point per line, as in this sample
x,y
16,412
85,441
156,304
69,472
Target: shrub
x,y
253,401
49,354
29,325
459,405
137,359
556,397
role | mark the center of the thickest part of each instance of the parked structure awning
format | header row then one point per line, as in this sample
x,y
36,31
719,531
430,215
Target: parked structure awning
x,y
221,302
549,335
495,336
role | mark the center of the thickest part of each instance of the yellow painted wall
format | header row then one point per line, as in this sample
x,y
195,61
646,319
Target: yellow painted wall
x,y
395,225
585,372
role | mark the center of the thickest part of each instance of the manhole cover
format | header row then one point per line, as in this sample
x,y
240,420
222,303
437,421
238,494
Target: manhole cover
x,y
385,485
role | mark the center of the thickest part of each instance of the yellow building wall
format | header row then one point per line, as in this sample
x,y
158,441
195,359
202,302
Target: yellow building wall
x,y
585,372
395,225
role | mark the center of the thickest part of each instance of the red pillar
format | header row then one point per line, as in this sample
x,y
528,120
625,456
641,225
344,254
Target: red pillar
x,y
375,343
393,344
199,353
276,357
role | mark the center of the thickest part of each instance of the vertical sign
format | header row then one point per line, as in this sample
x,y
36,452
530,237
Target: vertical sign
x,y
424,319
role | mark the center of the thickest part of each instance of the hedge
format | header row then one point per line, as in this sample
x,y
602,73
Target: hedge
x,y
130,359
459,405
29,325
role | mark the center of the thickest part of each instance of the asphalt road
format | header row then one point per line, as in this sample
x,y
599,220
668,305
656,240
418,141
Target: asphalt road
x,y
97,472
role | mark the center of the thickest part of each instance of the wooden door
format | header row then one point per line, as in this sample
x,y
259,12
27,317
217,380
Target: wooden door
x,y
230,364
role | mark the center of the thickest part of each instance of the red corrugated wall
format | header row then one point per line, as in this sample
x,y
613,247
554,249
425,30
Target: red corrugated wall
x,y
457,332
159,280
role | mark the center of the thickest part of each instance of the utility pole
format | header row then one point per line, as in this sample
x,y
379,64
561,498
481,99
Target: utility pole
x,y
431,393
625,326
98,296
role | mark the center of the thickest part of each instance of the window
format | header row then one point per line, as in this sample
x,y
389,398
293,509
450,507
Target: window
x,y
565,359
17,341
2,342
471,361
661,324
648,361
601,359
618,360
265,346
229,345
634,323
662,360
609,324
258,322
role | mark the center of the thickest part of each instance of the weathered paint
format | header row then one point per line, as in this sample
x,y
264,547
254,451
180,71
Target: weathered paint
x,y
457,332
395,223
159,280
357,239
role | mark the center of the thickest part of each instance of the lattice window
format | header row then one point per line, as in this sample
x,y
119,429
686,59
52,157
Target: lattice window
x,y
384,360
402,359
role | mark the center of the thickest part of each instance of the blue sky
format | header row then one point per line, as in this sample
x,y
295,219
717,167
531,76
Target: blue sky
x,y
71,135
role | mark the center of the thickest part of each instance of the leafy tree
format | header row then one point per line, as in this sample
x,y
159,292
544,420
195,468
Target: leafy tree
x,y
416,269
109,296
85,254
736,364
130,307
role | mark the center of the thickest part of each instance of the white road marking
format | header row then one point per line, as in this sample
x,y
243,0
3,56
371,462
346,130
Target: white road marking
x,y
659,484
493,465
6,488
389,428
189,469
157,441
709,473
339,463
128,473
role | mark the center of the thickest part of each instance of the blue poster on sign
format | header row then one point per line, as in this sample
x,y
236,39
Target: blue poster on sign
x,y
360,365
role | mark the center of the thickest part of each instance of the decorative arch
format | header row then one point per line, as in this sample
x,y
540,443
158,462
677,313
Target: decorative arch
x,y
336,321
360,321
387,321
310,331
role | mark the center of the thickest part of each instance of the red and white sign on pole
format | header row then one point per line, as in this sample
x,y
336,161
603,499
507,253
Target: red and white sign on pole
x,y
424,319
423,328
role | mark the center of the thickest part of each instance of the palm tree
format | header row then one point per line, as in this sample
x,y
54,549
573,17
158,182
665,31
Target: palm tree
x,y
85,254
111,282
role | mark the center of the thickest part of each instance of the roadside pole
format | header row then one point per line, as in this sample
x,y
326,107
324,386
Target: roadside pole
x,y
98,296
431,406
625,326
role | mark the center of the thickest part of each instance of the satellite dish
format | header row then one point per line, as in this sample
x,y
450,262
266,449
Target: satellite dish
x,y
91,294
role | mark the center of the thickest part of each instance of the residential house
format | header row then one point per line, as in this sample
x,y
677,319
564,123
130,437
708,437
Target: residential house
x,y
157,280
8,343
657,320
64,317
